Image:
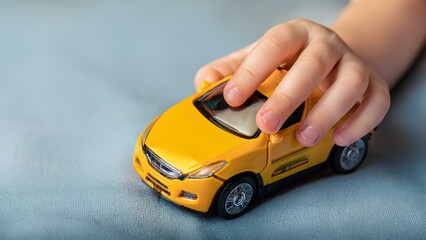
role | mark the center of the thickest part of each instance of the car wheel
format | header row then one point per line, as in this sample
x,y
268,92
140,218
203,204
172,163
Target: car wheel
x,y
235,197
348,159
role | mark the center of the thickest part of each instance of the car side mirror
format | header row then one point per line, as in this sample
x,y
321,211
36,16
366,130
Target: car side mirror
x,y
204,85
276,138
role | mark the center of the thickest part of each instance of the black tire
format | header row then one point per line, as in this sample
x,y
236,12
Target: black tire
x,y
348,159
236,197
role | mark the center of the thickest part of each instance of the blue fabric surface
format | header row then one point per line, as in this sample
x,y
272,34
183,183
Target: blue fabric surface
x,y
79,80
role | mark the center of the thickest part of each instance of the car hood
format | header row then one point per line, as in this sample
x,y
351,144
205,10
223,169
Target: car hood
x,y
187,140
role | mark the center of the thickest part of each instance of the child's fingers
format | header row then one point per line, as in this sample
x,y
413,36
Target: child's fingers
x,y
275,47
312,66
369,114
351,81
221,67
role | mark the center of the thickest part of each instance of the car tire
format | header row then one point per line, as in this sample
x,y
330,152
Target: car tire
x,y
348,159
236,197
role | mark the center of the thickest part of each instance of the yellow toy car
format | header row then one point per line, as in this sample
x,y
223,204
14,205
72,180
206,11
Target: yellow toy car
x,y
204,154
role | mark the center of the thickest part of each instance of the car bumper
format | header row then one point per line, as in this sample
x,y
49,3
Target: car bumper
x,y
177,190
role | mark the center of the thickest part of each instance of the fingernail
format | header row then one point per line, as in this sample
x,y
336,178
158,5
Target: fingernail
x,y
233,95
309,134
271,120
345,136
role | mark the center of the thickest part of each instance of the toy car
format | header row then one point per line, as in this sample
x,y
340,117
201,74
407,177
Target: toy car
x,y
205,155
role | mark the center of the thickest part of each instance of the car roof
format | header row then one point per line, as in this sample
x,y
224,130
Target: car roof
x,y
269,85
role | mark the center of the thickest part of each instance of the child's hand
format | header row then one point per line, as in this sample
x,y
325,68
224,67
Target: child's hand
x,y
321,59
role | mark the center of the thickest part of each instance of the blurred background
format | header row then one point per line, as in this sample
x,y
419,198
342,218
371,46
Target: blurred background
x,y
79,80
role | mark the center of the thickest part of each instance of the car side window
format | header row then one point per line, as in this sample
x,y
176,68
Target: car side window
x,y
295,117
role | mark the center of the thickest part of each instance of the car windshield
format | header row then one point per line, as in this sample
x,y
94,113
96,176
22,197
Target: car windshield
x,y
240,120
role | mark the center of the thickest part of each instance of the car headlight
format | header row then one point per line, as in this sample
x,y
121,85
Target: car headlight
x,y
148,129
208,171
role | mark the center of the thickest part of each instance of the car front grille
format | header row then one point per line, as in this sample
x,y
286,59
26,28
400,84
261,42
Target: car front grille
x,y
160,165
157,184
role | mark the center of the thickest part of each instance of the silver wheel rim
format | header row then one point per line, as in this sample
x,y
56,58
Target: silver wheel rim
x,y
352,155
239,198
